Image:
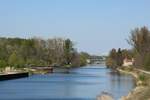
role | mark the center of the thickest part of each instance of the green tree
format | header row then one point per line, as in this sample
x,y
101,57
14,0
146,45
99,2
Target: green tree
x,y
68,51
119,58
15,61
19,52
83,58
3,64
12,59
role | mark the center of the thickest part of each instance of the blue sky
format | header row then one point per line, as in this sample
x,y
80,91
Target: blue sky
x,y
95,26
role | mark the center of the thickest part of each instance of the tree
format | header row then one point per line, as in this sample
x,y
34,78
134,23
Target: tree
x,y
129,54
12,59
111,63
111,60
75,62
115,58
19,52
119,58
68,51
15,61
83,60
3,63
140,41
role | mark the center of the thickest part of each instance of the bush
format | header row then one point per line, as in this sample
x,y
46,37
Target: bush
x,y
142,77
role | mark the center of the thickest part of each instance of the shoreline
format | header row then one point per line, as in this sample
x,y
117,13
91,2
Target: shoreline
x,y
11,76
141,90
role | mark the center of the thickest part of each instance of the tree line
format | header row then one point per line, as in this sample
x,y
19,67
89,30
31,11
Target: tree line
x,y
19,53
139,39
116,57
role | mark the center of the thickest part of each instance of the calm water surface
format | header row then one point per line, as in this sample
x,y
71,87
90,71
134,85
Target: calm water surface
x,y
80,84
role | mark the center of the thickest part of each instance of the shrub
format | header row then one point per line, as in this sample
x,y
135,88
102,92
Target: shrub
x,y
142,77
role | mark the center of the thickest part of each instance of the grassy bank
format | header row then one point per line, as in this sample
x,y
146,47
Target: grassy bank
x,y
142,89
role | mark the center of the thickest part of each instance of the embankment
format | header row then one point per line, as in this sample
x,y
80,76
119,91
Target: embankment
x,y
13,76
142,89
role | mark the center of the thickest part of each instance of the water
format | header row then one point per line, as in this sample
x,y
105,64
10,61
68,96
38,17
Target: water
x,y
80,84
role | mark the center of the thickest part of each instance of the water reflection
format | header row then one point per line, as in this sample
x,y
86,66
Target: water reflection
x,y
80,84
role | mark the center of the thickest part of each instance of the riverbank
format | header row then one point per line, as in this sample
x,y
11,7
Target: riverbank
x,y
11,76
142,89
31,70
9,73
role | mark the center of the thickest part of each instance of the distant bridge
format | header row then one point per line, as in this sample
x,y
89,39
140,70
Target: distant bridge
x,y
97,59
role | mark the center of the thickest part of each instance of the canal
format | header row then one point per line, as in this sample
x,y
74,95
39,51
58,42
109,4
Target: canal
x,y
83,83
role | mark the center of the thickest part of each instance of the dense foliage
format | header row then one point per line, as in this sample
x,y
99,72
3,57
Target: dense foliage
x,y
17,52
